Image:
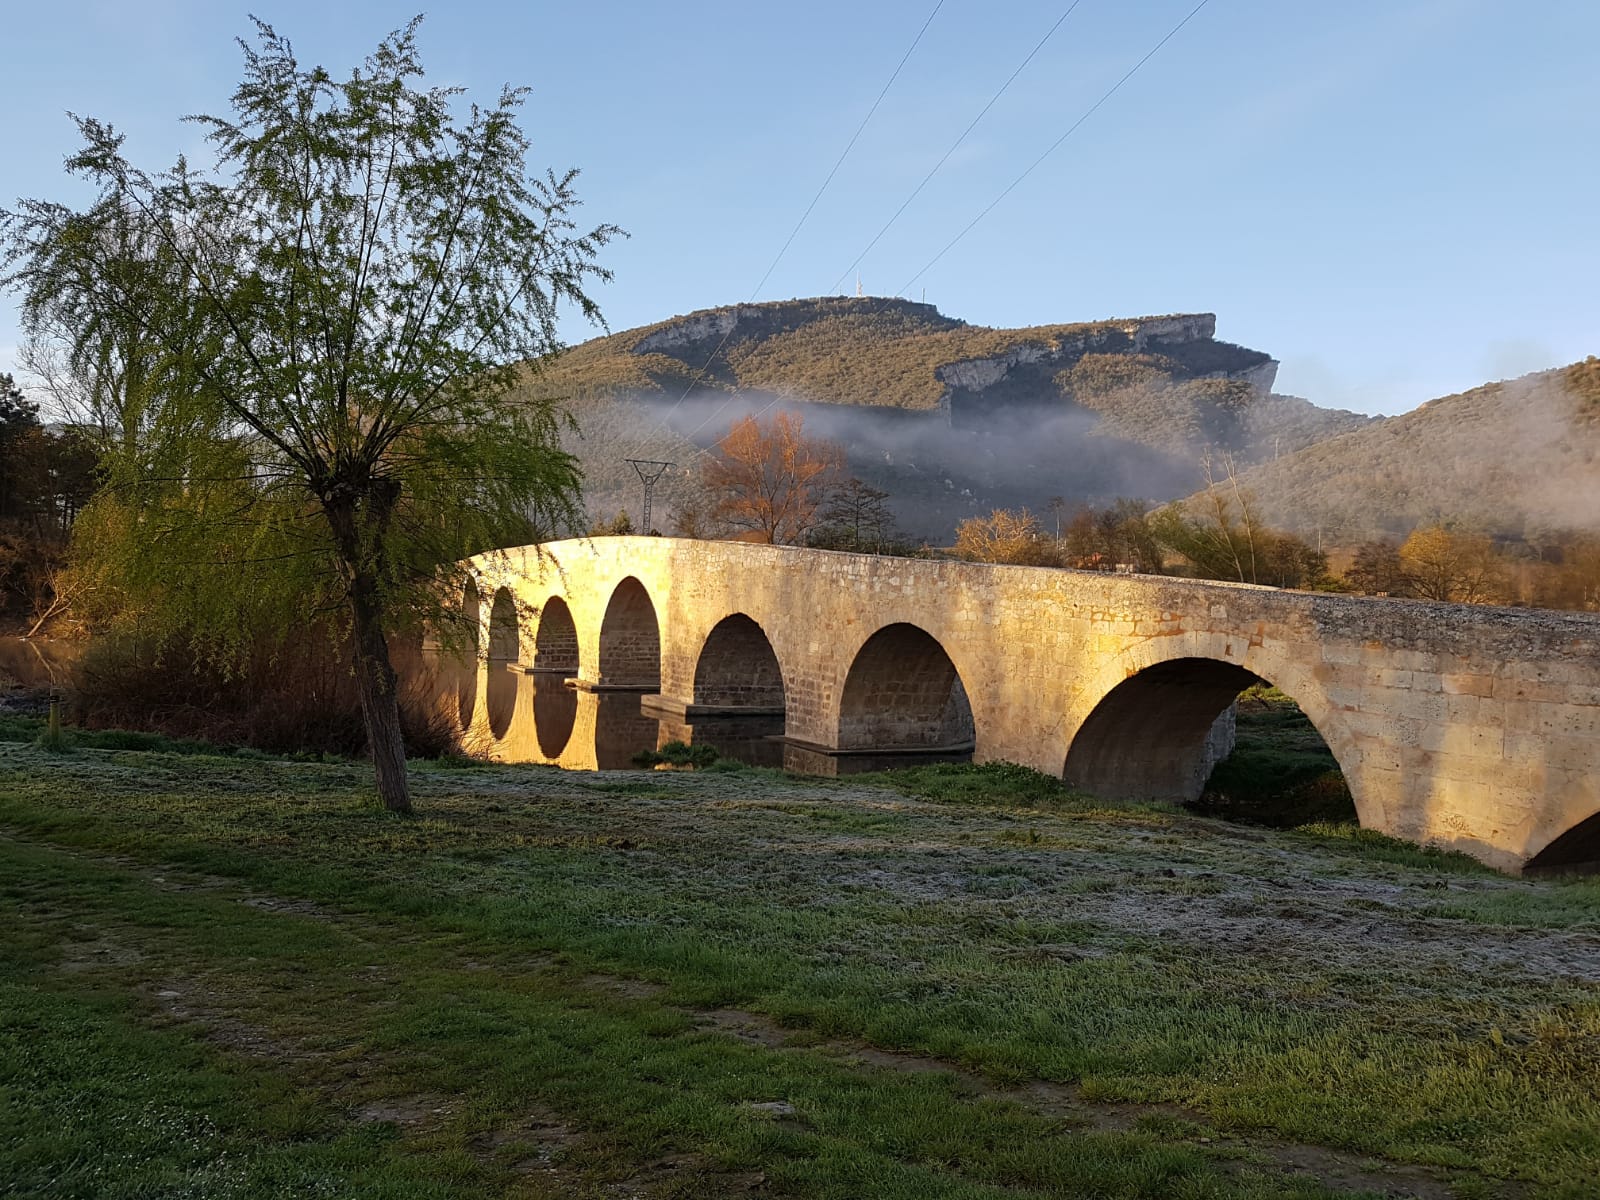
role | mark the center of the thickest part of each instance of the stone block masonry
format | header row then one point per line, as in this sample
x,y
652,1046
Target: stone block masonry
x,y
1476,729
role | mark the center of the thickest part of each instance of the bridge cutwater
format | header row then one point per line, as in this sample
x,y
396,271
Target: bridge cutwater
x,y
1470,728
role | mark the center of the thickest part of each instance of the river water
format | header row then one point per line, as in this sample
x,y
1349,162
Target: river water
x,y
36,662
514,715
510,714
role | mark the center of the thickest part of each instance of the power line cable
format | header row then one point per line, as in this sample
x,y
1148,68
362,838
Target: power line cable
x,y
795,232
906,203
954,146
1132,71
1054,146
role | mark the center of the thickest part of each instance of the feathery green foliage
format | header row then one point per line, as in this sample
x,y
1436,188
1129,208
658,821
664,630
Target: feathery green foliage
x,y
306,347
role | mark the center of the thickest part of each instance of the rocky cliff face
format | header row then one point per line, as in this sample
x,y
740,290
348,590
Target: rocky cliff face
x,y
1028,376
701,331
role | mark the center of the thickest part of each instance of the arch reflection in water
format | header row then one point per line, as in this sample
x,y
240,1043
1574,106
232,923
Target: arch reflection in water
x,y
553,709
463,669
504,681
550,722
505,669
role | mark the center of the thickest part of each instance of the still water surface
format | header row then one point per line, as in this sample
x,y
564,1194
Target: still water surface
x,y
514,715
36,662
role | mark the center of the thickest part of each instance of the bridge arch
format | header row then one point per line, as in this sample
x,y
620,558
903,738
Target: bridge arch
x,y
738,667
467,663
505,648
1576,850
1144,730
555,641
903,692
630,639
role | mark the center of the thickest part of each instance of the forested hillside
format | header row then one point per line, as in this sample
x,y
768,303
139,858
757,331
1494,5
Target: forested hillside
x,y
1513,459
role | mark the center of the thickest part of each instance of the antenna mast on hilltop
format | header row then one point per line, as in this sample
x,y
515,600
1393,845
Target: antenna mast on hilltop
x,y
649,471
858,283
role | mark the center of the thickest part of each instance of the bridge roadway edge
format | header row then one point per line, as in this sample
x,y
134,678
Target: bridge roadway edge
x,y
1469,728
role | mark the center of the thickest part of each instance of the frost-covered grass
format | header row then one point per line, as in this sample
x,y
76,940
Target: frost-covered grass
x,y
239,977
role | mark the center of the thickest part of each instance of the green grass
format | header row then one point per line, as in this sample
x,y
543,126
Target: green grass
x,y
239,964
1004,784
678,754
1281,773
33,729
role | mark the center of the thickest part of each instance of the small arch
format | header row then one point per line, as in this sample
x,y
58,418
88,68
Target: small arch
x,y
737,667
1577,851
903,692
630,639
467,667
1159,733
505,639
555,642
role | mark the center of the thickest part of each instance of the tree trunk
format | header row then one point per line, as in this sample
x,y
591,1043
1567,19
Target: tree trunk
x,y
380,703
359,517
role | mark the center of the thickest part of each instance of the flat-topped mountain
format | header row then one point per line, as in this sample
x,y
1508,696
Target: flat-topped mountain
x,y
887,353
1083,411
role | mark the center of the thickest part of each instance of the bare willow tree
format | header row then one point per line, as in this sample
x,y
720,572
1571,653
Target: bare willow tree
x,y
307,346
1221,534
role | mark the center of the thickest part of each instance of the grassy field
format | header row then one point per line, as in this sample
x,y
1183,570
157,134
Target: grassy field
x,y
238,977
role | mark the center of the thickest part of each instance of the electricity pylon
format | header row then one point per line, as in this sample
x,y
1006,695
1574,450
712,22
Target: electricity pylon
x,y
649,470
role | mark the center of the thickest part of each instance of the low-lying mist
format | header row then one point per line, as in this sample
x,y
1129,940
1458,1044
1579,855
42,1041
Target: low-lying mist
x,y
936,476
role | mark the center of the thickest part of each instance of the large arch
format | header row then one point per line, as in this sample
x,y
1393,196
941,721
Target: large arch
x,y
1153,734
467,665
1576,851
903,692
555,642
630,639
737,667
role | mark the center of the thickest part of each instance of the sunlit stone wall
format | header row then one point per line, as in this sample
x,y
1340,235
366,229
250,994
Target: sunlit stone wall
x,y
1473,728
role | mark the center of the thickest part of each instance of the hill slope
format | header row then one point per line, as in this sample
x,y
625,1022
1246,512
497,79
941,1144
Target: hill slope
x,y
1086,411
1507,458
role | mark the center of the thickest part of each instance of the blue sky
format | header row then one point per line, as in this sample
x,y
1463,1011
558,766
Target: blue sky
x,y
1397,198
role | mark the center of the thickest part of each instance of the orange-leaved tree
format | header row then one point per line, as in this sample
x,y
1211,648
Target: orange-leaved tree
x,y
771,480
1006,536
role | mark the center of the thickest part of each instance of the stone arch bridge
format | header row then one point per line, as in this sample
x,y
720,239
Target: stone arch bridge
x,y
1471,728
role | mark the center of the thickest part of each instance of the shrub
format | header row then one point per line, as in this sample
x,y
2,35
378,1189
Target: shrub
x,y
677,754
294,697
